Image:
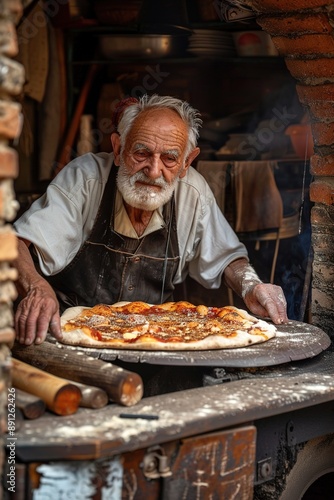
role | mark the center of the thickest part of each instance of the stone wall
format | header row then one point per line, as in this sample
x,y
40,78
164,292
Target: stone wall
x,y
11,83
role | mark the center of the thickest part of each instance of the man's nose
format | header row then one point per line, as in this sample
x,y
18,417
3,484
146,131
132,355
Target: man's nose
x,y
154,167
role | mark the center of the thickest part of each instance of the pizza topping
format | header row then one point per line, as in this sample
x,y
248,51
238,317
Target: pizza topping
x,y
97,320
202,310
136,319
172,323
130,335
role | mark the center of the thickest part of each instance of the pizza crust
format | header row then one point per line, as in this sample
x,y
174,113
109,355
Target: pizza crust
x,y
240,338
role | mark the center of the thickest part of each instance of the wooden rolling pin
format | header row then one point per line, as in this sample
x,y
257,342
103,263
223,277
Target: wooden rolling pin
x,y
59,396
122,386
31,406
92,397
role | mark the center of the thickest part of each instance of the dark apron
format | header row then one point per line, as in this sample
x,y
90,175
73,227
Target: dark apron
x,y
110,267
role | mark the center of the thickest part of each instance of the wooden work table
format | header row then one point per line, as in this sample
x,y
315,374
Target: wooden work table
x,y
215,437
91,434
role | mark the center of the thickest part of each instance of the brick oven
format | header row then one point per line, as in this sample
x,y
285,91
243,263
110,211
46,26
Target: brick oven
x,y
302,32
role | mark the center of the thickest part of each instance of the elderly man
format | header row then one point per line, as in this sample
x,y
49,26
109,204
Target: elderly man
x,y
130,225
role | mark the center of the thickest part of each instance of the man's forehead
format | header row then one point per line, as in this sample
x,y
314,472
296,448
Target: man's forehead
x,y
158,124
158,117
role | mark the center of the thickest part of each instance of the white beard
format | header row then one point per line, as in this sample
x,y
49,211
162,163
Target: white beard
x,y
140,196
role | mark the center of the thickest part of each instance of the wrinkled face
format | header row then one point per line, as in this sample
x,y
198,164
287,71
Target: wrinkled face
x,y
153,158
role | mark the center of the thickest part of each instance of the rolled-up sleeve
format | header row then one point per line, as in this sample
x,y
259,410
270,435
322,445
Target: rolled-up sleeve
x,y
58,223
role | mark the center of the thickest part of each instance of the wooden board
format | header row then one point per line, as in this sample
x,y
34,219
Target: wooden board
x,y
294,341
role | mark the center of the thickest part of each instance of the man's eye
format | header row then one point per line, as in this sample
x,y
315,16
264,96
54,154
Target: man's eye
x,y
141,155
169,160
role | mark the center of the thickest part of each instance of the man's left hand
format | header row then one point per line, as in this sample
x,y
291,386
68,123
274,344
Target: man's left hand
x,y
267,300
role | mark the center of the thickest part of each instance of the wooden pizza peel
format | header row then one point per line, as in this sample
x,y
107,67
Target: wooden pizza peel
x,y
294,341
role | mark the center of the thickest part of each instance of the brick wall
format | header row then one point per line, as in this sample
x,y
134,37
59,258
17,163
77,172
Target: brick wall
x,y
302,31
11,82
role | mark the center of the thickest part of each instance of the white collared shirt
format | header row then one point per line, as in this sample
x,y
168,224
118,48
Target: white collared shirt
x,y
60,221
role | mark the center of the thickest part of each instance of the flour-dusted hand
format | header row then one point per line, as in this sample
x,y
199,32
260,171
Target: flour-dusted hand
x,y
267,300
263,299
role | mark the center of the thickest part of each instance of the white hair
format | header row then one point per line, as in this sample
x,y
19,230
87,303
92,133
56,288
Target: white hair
x,y
189,115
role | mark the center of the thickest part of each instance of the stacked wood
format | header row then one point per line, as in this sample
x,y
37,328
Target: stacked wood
x,y
36,390
122,386
60,396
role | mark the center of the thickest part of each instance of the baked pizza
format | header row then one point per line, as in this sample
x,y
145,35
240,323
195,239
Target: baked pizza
x,y
169,326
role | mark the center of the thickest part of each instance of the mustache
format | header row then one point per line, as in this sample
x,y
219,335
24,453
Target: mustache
x,y
142,196
141,177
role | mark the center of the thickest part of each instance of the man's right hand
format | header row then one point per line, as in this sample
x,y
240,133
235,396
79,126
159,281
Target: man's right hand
x,y
38,313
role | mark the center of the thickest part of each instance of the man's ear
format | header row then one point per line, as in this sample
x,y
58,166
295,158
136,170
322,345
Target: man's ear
x,y
116,146
190,158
